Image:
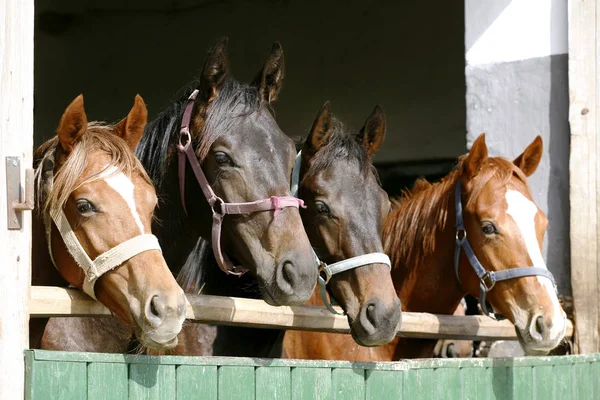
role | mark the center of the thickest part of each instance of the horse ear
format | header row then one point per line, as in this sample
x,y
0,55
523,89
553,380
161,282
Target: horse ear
x,y
372,134
215,70
269,80
321,130
72,125
530,159
477,157
132,126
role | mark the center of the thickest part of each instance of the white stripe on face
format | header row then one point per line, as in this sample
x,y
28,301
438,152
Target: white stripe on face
x,y
523,212
123,185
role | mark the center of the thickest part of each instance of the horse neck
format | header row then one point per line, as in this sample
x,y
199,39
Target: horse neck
x,y
43,271
424,276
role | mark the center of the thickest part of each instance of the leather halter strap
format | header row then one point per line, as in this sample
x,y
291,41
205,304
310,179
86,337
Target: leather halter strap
x,y
327,271
487,279
218,206
93,269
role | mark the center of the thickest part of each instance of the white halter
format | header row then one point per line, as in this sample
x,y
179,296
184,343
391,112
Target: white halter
x,y
105,261
327,271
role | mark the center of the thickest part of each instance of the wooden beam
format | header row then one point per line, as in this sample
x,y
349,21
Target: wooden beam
x,y
59,302
16,140
584,172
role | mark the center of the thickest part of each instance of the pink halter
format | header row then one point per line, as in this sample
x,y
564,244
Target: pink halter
x,y
218,206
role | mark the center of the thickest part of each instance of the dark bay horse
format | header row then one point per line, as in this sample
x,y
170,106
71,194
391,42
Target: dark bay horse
x,y
95,209
505,229
245,157
345,211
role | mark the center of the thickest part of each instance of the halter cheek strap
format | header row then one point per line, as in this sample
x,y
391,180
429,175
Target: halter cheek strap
x,y
327,271
93,269
487,279
219,207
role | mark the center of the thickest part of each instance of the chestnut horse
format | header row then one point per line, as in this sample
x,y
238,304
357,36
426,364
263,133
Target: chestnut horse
x,y
505,229
95,202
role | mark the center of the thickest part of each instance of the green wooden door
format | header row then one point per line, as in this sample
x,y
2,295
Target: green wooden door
x,y
59,375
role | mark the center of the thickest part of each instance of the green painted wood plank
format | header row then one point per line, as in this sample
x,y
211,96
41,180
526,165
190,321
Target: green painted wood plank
x,y
595,373
583,381
417,384
563,384
29,374
500,382
273,383
59,381
152,382
196,382
446,383
311,383
384,385
543,383
107,381
521,383
348,384
236,383
476,383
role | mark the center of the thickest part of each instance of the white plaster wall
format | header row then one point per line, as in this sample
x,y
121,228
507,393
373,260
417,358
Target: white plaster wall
x,y
517,88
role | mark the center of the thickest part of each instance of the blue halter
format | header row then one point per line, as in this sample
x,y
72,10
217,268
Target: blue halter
x,y
487,279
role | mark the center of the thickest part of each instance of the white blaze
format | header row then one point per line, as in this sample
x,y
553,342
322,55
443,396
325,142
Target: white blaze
x,y
523,211
123,185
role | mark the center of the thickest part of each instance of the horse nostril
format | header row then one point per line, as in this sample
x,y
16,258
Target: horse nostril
x,y
451,351
372,314
153,307
287,272
540,325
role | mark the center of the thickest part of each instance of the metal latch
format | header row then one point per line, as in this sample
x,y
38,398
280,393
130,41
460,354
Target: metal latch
x,y
15,206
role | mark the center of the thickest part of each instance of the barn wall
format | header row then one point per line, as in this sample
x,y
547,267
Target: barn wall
x,y
406,56
517,88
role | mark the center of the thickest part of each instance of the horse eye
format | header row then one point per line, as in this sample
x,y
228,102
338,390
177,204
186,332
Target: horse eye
x,y
85,207
489,229
222,158
322,208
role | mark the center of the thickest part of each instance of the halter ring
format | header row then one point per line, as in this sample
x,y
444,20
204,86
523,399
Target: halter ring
x,y
461,235
489,275
185,133
323,271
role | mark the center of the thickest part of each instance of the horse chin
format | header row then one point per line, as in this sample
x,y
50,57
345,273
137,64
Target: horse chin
x,y
155,343
530,346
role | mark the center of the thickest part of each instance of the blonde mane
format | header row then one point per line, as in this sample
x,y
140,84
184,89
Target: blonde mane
x,y
409,234
98,137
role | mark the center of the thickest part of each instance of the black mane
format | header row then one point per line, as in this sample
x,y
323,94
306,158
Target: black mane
x,y
157,145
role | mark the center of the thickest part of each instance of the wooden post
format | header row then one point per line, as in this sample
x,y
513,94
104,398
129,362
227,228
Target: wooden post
x,y
584,167
16,139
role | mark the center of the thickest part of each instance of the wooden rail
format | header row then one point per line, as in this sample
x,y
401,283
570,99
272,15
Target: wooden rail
x,y
60,302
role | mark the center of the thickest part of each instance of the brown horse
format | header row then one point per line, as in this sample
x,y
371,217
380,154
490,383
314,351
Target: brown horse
x,y
96,207
505,229
335,165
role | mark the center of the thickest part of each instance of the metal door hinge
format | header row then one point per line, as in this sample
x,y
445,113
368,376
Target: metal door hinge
x,y
15,206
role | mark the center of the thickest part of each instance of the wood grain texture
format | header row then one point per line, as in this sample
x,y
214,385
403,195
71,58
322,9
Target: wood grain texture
x,y
16,139
51,301
584,171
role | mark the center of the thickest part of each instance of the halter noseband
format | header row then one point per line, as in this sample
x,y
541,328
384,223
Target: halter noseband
x,y
487,279
327,271
93,269
218,206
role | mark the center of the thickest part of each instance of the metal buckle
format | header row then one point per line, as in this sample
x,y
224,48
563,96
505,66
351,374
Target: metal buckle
x,y
218,202
461,235
185,133
489,275
323,271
